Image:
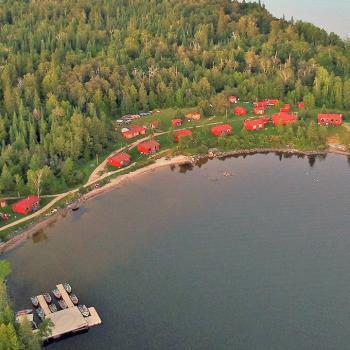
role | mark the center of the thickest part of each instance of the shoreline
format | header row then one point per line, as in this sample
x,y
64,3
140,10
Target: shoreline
x,y
43,222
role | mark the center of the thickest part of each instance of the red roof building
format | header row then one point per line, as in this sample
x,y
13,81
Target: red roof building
x,y
222,130
301,105
134,131
232,99
282,118
148,147
182,133
154,124
273,102
255,124
193,116
119,160
176,122
240,111
26,205
258,110
261,104
329,119
286,108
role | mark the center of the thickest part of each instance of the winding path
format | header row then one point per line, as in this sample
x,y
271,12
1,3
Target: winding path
x,y
95,176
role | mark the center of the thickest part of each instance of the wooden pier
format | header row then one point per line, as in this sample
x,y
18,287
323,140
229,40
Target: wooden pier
x,y
69,320
43,305
65,295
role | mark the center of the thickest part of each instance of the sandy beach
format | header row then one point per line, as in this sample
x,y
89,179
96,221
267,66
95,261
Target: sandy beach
x,y
41,223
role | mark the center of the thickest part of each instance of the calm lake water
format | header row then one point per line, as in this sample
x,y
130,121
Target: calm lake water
x,y
181,259
330,15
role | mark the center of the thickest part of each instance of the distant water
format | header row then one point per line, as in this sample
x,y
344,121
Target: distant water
x,y
180,259
334,16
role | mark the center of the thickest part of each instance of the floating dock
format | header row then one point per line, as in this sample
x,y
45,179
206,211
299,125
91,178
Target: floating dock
x,y
69,320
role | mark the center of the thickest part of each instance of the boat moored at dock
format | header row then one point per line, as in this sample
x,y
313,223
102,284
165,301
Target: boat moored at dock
x,y
34,300
47,298
67,287
74,299
56,293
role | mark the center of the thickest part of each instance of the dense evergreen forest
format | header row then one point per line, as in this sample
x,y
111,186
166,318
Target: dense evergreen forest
x,y
68,68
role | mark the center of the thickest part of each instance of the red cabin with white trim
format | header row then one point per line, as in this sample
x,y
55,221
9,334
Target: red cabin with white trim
x,y
119,160
134,131
176,122
301,105
232,99
240,111
329,119
286,108
26,205
193,116
273,102
255,124
222,130
148,147
282,118
182,133
258,110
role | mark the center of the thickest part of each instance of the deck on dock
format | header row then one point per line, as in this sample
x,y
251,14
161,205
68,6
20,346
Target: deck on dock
x,y
65,295
43,305
94,318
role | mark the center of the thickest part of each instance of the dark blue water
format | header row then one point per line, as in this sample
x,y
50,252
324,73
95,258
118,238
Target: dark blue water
x,y
197,260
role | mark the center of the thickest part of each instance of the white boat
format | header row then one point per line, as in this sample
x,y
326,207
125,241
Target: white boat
x,y
74,299
84,310
67,287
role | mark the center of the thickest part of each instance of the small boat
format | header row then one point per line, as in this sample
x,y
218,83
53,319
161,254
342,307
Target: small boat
x,y
67,287
47,298
53,307
62,304
56,293
74,299
34,301
40,312
84,310
27,315
24,312
75,206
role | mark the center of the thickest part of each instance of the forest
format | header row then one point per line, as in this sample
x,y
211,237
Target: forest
x,y
68,69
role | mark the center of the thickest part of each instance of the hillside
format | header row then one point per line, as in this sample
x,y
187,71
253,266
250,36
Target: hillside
x,y
69,68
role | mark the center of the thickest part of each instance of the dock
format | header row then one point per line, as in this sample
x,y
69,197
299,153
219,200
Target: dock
x,y
65,295
69,320
43,305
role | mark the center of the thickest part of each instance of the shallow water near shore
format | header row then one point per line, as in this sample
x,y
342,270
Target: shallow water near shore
x,y
187,258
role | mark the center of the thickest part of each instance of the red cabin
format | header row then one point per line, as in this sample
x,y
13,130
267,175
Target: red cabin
x,y
329,119
261,104
176,122
282,118
258,110
232,99
26,205
134,131
154,124
301,105
222,130
240,111
286,108
148,147
193,116
273,102
182,133
255,124
119,160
